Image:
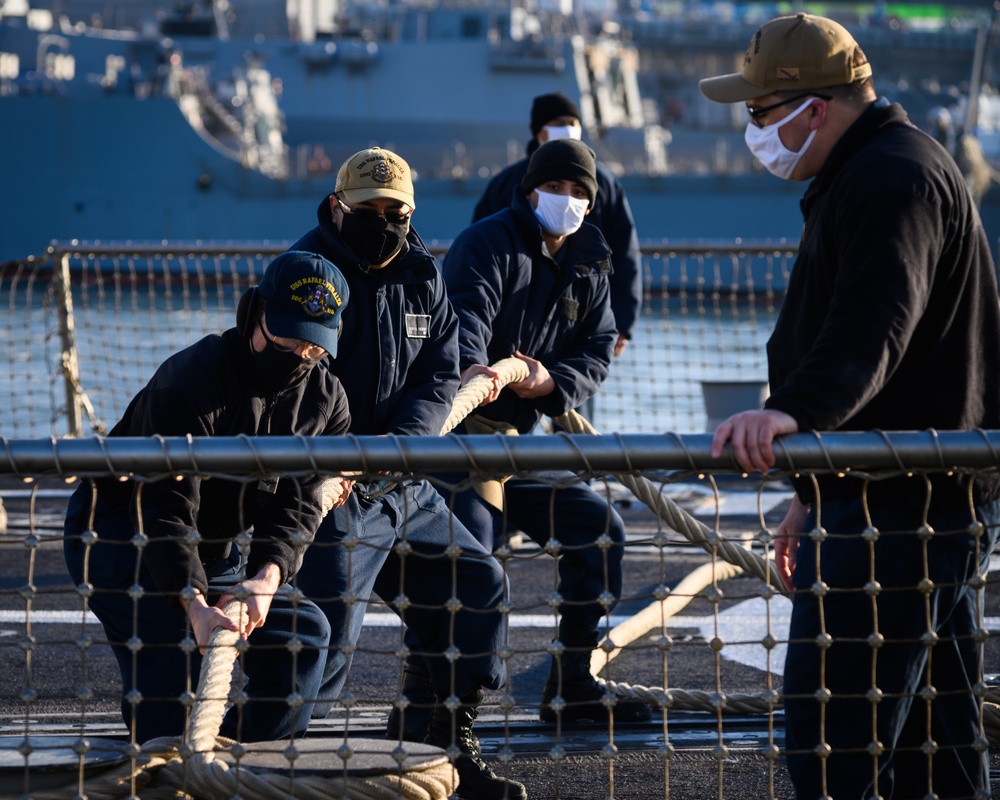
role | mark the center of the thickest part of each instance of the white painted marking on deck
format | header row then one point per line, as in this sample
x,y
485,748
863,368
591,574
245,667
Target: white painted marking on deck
x,y
742,626
700,500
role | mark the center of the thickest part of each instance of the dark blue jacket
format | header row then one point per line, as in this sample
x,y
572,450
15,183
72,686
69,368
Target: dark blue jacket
x,y
611,213
398,352
211,389
510,295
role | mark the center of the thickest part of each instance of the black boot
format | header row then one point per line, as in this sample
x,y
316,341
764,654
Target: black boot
x,y
583,698
411,723
453,732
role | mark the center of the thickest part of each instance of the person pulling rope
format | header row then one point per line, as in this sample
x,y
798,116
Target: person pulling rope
x,y
169,767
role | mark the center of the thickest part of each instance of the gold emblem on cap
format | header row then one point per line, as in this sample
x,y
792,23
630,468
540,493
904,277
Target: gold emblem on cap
x,y
382,173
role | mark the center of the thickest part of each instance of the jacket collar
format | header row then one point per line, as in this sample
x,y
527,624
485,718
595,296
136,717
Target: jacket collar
x,y
873,120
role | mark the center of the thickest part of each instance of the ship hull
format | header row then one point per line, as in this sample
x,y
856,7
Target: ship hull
x,y
115,168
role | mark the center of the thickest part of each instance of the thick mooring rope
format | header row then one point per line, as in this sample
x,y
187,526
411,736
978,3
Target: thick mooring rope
x,y
513,369
468,398
168,768
679,520
736,558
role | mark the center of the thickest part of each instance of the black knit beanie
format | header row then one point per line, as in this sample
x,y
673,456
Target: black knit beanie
x,y
562,160
547,107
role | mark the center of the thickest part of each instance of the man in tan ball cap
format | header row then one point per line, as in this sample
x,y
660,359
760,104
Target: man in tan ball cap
x,y
890,322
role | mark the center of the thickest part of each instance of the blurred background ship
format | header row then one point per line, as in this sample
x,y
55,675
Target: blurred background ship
x,y
144,120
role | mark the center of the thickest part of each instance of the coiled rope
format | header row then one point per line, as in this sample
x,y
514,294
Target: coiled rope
x,y
170,768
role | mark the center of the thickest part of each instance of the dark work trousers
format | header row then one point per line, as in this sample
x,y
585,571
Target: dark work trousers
x,y
557,505
407,543
160,670
901,669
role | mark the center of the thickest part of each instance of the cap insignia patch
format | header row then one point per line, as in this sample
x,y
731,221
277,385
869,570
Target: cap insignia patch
x,y
316,296
381,172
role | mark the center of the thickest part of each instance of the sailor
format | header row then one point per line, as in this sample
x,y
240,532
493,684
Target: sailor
x,y
266,376
401,375
555,116
533,281
890,321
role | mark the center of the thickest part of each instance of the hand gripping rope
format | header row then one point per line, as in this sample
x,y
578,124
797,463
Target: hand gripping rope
x,y
173,768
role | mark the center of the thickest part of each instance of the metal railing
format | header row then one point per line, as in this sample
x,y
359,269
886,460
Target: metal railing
x,y
713,674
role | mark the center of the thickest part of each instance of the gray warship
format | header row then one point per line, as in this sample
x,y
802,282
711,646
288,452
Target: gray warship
x,y
225,121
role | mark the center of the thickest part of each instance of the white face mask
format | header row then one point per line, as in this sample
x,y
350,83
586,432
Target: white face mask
x,y
564,132
766,145
560,214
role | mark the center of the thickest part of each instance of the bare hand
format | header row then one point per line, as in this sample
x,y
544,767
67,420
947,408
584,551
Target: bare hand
x,y
786,542
258,592
205,620
751,434
621,344
335,492
538,383
481,369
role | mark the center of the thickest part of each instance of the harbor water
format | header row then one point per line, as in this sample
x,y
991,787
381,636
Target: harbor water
x,y
122,335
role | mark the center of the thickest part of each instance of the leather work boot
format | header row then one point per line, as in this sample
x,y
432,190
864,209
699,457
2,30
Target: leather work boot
x,y
411,724
580,698
453,732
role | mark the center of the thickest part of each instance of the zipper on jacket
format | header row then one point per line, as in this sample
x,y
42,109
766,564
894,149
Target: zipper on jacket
x,y
268,483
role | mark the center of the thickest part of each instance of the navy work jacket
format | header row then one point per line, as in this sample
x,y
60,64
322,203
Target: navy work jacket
x,y
211,389
510,295
398,353
610,212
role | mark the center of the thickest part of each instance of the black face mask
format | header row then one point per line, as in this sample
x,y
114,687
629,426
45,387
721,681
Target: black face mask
x,y
373,238
278,369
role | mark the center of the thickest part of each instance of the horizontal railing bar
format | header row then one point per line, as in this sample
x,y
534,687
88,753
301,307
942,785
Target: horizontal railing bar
x,y
921,450
205,248
437,247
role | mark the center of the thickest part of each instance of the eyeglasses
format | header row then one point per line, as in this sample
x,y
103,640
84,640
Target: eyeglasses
x,y
758,114
390,215
305,350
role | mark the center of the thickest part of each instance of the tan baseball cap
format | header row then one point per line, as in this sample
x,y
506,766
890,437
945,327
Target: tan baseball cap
x,y
801,53
373,173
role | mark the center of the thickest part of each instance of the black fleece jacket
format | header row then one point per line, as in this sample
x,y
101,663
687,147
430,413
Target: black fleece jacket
x,y
211,389
891,320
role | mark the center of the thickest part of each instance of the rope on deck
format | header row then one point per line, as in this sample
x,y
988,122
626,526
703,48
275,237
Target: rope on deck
x,y
736,558
171,768
679,520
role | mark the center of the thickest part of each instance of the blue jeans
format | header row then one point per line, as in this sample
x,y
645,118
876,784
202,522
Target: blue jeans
x,y
904,665
396,545
160,670
576,516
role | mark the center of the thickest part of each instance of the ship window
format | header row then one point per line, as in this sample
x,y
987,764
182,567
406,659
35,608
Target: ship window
x,y
472,27
10,66
60,66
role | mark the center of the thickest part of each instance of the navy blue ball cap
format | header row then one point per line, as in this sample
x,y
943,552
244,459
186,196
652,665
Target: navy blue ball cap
x,y
306,296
